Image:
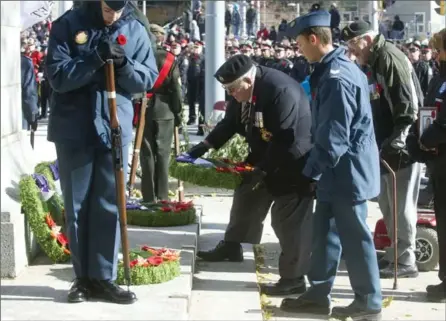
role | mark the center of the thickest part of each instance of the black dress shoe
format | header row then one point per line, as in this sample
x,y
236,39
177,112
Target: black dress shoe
x,y
300,305
285,287
403,271
111,292
230,251
79,291
355,313
437,293
191,122
200,132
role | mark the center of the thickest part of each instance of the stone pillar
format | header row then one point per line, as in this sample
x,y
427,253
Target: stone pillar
x,y
215,53
17,154
242,9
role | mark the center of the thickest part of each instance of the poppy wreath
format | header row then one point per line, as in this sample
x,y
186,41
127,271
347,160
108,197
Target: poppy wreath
x,y
150,266
48,234
162,214
226,173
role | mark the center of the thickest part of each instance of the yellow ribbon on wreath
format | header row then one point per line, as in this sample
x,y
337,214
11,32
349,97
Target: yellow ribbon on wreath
x,y
266,135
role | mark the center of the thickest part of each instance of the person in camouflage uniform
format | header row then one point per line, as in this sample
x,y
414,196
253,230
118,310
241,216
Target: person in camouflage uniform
x,y
400,94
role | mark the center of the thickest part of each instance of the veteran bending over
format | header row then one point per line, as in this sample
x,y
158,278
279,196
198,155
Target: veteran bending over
x,y
272,112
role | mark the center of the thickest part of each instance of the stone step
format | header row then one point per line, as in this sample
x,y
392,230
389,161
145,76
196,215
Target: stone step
x,y
43,286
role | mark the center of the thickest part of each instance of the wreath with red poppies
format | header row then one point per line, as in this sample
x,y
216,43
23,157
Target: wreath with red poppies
x,y
224,174
150,266
161,214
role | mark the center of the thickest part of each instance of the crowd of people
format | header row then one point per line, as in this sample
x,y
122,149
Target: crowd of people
x,y
297,152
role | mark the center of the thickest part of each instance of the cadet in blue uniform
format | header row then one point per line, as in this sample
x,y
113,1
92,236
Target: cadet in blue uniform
x,y
275,118
345,163
80,42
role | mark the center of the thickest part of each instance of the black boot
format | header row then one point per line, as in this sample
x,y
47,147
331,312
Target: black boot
x,y
285,287
79,291
403,271
300,305
230,251
354,312
437,293
109,291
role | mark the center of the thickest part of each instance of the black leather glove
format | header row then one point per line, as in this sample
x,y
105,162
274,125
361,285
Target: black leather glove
x,y
198,150
34,124
108,50
307,187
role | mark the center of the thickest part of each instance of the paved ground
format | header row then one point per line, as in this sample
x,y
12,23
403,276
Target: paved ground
x,y
406,303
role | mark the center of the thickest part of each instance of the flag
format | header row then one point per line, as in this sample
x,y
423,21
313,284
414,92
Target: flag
x,y
32,12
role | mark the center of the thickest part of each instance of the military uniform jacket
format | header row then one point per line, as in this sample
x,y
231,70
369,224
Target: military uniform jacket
x,y
345,158
399,85
278,132
166,103
79,103
424,73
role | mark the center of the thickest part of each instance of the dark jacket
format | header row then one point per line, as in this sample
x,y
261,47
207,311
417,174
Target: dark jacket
x,y
30,108
278,133
167,100
79,105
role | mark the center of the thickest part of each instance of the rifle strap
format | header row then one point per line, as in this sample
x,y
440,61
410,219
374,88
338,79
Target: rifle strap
x,y
168,62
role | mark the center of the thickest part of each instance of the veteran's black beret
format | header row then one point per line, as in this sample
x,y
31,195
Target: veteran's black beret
x,y
115,5
355,29
234,68
320,18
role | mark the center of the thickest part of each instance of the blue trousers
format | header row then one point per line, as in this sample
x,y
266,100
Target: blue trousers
x,y
341,226
87,180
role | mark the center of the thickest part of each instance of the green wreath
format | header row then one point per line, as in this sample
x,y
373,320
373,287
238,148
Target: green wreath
x,y
150,266
48,235
225,174
165,213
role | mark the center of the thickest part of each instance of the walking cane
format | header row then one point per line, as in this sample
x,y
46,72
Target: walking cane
x,y
137,144
176,136
118,165
32,137
395,224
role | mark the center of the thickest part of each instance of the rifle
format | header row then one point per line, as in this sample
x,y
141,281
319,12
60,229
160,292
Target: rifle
x,y
116,137
137,144
176,135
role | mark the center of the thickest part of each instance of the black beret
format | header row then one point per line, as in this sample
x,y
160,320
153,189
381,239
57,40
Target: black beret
x,y
355,29
234,68
115,5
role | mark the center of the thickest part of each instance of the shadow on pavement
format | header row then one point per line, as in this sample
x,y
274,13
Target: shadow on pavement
x,y
32,293
223,285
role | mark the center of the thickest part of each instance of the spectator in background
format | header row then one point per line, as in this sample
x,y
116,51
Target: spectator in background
x,y
397,31
334,16
272,34
30,108
195,31
236,21
251,19
263,32
228,19
282,30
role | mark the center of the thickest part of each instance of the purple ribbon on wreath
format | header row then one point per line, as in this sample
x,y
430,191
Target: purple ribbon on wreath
x,y
41,182
54,167
133,206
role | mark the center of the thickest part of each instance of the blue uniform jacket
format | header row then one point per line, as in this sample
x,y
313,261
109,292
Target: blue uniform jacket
x,y
345,158
79,107
29,92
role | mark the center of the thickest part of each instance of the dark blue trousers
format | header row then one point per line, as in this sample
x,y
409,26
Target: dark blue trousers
x,y
92,220
341,226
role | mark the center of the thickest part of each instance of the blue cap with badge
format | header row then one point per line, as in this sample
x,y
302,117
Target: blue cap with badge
x,y
320,18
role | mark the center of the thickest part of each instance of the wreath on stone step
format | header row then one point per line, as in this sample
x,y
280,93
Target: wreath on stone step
x,y
162,214
150,266
40,206
215,173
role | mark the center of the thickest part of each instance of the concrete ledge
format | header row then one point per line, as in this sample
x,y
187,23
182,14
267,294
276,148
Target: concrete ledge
x,y
44,286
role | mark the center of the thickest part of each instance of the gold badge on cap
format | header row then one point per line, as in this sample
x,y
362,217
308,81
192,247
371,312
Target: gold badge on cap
x,y
346,32
292,23
81,37
221,79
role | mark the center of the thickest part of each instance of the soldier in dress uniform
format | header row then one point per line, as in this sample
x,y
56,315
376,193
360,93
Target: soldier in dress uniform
x,y
422,69
275,118
345,163
163,113
267,58
193,80
301,67
80,42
